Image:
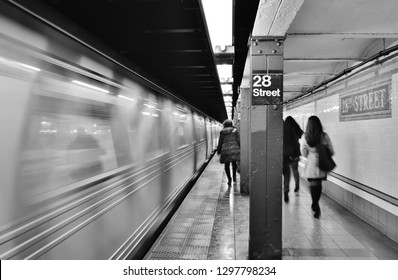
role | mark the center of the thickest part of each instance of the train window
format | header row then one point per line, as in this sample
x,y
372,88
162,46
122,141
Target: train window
x,y
15,63
144,129
151,116
200,123
181,118
65,141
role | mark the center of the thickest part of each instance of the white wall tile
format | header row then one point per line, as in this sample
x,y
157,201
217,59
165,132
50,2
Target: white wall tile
x,y
366,150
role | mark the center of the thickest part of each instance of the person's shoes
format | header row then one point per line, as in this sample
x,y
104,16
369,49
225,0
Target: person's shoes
x,y
296,189
286,197
317,214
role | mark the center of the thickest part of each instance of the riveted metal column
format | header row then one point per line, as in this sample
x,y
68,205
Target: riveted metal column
x,y
244,131
266,144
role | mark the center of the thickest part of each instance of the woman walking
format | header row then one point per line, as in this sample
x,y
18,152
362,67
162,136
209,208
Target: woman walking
x,y
291,154
229,148
314,135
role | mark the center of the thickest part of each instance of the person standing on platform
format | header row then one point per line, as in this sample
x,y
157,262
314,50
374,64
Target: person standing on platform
x,y
229,149
291,154
314,135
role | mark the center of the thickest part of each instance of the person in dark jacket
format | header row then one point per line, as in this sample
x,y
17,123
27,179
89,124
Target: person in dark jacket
x,y
291,154
229,148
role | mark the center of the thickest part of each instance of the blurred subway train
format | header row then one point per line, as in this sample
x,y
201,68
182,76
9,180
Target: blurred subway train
x,y
94,157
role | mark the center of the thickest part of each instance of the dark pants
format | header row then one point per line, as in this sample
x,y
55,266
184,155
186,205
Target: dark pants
x,y
228,171
287,163
316,191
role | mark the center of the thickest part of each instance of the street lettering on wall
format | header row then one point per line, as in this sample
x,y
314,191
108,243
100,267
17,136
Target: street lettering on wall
x,y
367,103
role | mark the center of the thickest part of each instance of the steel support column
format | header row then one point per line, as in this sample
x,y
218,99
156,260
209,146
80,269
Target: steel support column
x,y
244,130
265,127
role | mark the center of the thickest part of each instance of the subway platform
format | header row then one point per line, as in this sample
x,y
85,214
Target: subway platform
x,y
212,223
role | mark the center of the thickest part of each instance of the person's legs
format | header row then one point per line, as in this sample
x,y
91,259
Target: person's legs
x,y
234,167
294,165
313,191
286,178
228,172
316,191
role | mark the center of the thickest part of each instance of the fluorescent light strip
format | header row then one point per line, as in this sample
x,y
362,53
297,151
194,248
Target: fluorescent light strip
x,y
127,98
14,63
29,67
90,86
149,106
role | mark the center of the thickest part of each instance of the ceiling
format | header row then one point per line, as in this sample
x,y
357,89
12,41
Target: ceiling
x,y
243,20
169,39
166,38
323,37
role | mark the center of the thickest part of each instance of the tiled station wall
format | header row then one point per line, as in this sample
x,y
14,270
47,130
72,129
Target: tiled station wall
x,y
366,146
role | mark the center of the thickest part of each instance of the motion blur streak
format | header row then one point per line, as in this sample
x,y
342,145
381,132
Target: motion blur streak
x,y
91,165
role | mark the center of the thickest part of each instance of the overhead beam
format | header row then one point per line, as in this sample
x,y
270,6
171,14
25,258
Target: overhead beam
x,y
134,31
205,87
343,35
308,74
186,74
163,51
198,82
181,67
298,85
275,16
327,59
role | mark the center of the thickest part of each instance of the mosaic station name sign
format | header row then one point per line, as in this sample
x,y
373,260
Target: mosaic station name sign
x,y
368,103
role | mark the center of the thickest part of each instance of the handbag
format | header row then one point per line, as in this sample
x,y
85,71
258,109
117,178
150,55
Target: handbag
x,y
326,162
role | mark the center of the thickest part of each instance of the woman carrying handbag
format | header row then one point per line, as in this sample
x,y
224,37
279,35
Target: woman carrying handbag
x,y
313,137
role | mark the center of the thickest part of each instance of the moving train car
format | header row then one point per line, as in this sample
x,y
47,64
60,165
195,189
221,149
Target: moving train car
x,y
94,157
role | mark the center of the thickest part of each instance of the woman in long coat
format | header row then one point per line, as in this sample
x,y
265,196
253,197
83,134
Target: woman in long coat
x,y
229,148
291,154
314,136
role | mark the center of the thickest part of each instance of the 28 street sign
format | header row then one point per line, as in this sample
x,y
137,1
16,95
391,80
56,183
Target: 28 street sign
x,y
267,89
